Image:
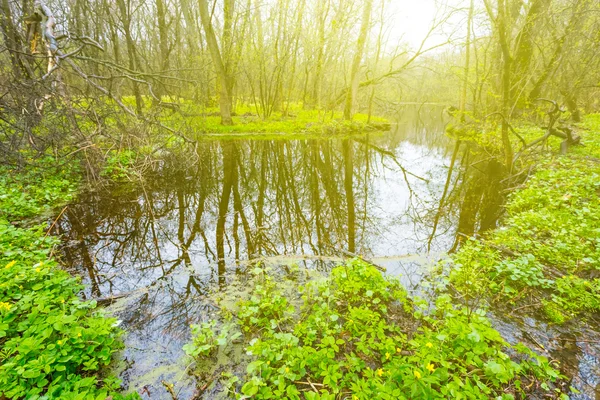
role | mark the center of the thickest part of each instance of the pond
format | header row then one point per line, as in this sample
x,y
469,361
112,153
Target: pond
x,y
154,251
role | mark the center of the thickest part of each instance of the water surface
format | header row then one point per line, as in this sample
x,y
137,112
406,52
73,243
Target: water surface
x,y
159,247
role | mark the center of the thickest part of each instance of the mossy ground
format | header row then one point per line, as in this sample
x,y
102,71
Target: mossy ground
x,y
195,121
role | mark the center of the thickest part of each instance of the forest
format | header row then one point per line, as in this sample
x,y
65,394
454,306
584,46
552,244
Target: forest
x,y
299,199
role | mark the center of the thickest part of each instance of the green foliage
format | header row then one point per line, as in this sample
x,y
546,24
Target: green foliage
x,y
206,340
357,334
548,247
195,121
36,190
590,136
119,165
52,344
266,308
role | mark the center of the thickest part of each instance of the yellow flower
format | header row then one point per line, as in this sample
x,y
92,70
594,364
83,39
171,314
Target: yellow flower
x,y
79,334
430,367
354,397
38,269
62,301
387,356
268,362
398,350
10,264
59,342
379,372
417,374
287,370
429,345
4,306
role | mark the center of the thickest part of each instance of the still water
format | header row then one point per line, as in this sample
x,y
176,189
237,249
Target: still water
x,y
155,249
202,215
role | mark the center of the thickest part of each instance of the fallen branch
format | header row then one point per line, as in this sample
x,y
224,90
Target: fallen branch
x,y
564,132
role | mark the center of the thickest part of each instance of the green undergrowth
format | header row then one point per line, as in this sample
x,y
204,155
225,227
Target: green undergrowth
x,y
486,134
546,255
35,189
591,137
53,345
356,334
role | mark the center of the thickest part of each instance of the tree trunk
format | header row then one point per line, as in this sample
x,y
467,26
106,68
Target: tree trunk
x,y
463,96
571,102
501,22
163,44
126,19
222,75
13,42
323,10
360,45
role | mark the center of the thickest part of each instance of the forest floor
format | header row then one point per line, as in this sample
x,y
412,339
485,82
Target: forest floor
x,y
354,332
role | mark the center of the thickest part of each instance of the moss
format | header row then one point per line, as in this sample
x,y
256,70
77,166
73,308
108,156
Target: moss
x,y
195,121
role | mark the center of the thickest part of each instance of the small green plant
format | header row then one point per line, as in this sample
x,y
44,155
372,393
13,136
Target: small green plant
x,y
266,308
206,340
26,194
119,164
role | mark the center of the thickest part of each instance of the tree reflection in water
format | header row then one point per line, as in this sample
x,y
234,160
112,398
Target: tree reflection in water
x,y
165,243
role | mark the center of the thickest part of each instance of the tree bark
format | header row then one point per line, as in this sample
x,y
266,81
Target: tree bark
x,y
360,45
163,43
13,42
222,75
463,96
126,20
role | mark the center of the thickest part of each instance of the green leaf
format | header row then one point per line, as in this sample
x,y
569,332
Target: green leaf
x,y
249,388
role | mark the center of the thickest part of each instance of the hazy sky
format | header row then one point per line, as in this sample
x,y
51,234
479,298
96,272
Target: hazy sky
x,y
412,19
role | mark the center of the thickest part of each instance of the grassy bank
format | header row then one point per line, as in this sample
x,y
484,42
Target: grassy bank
x,y
196,120
546,256
53,344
